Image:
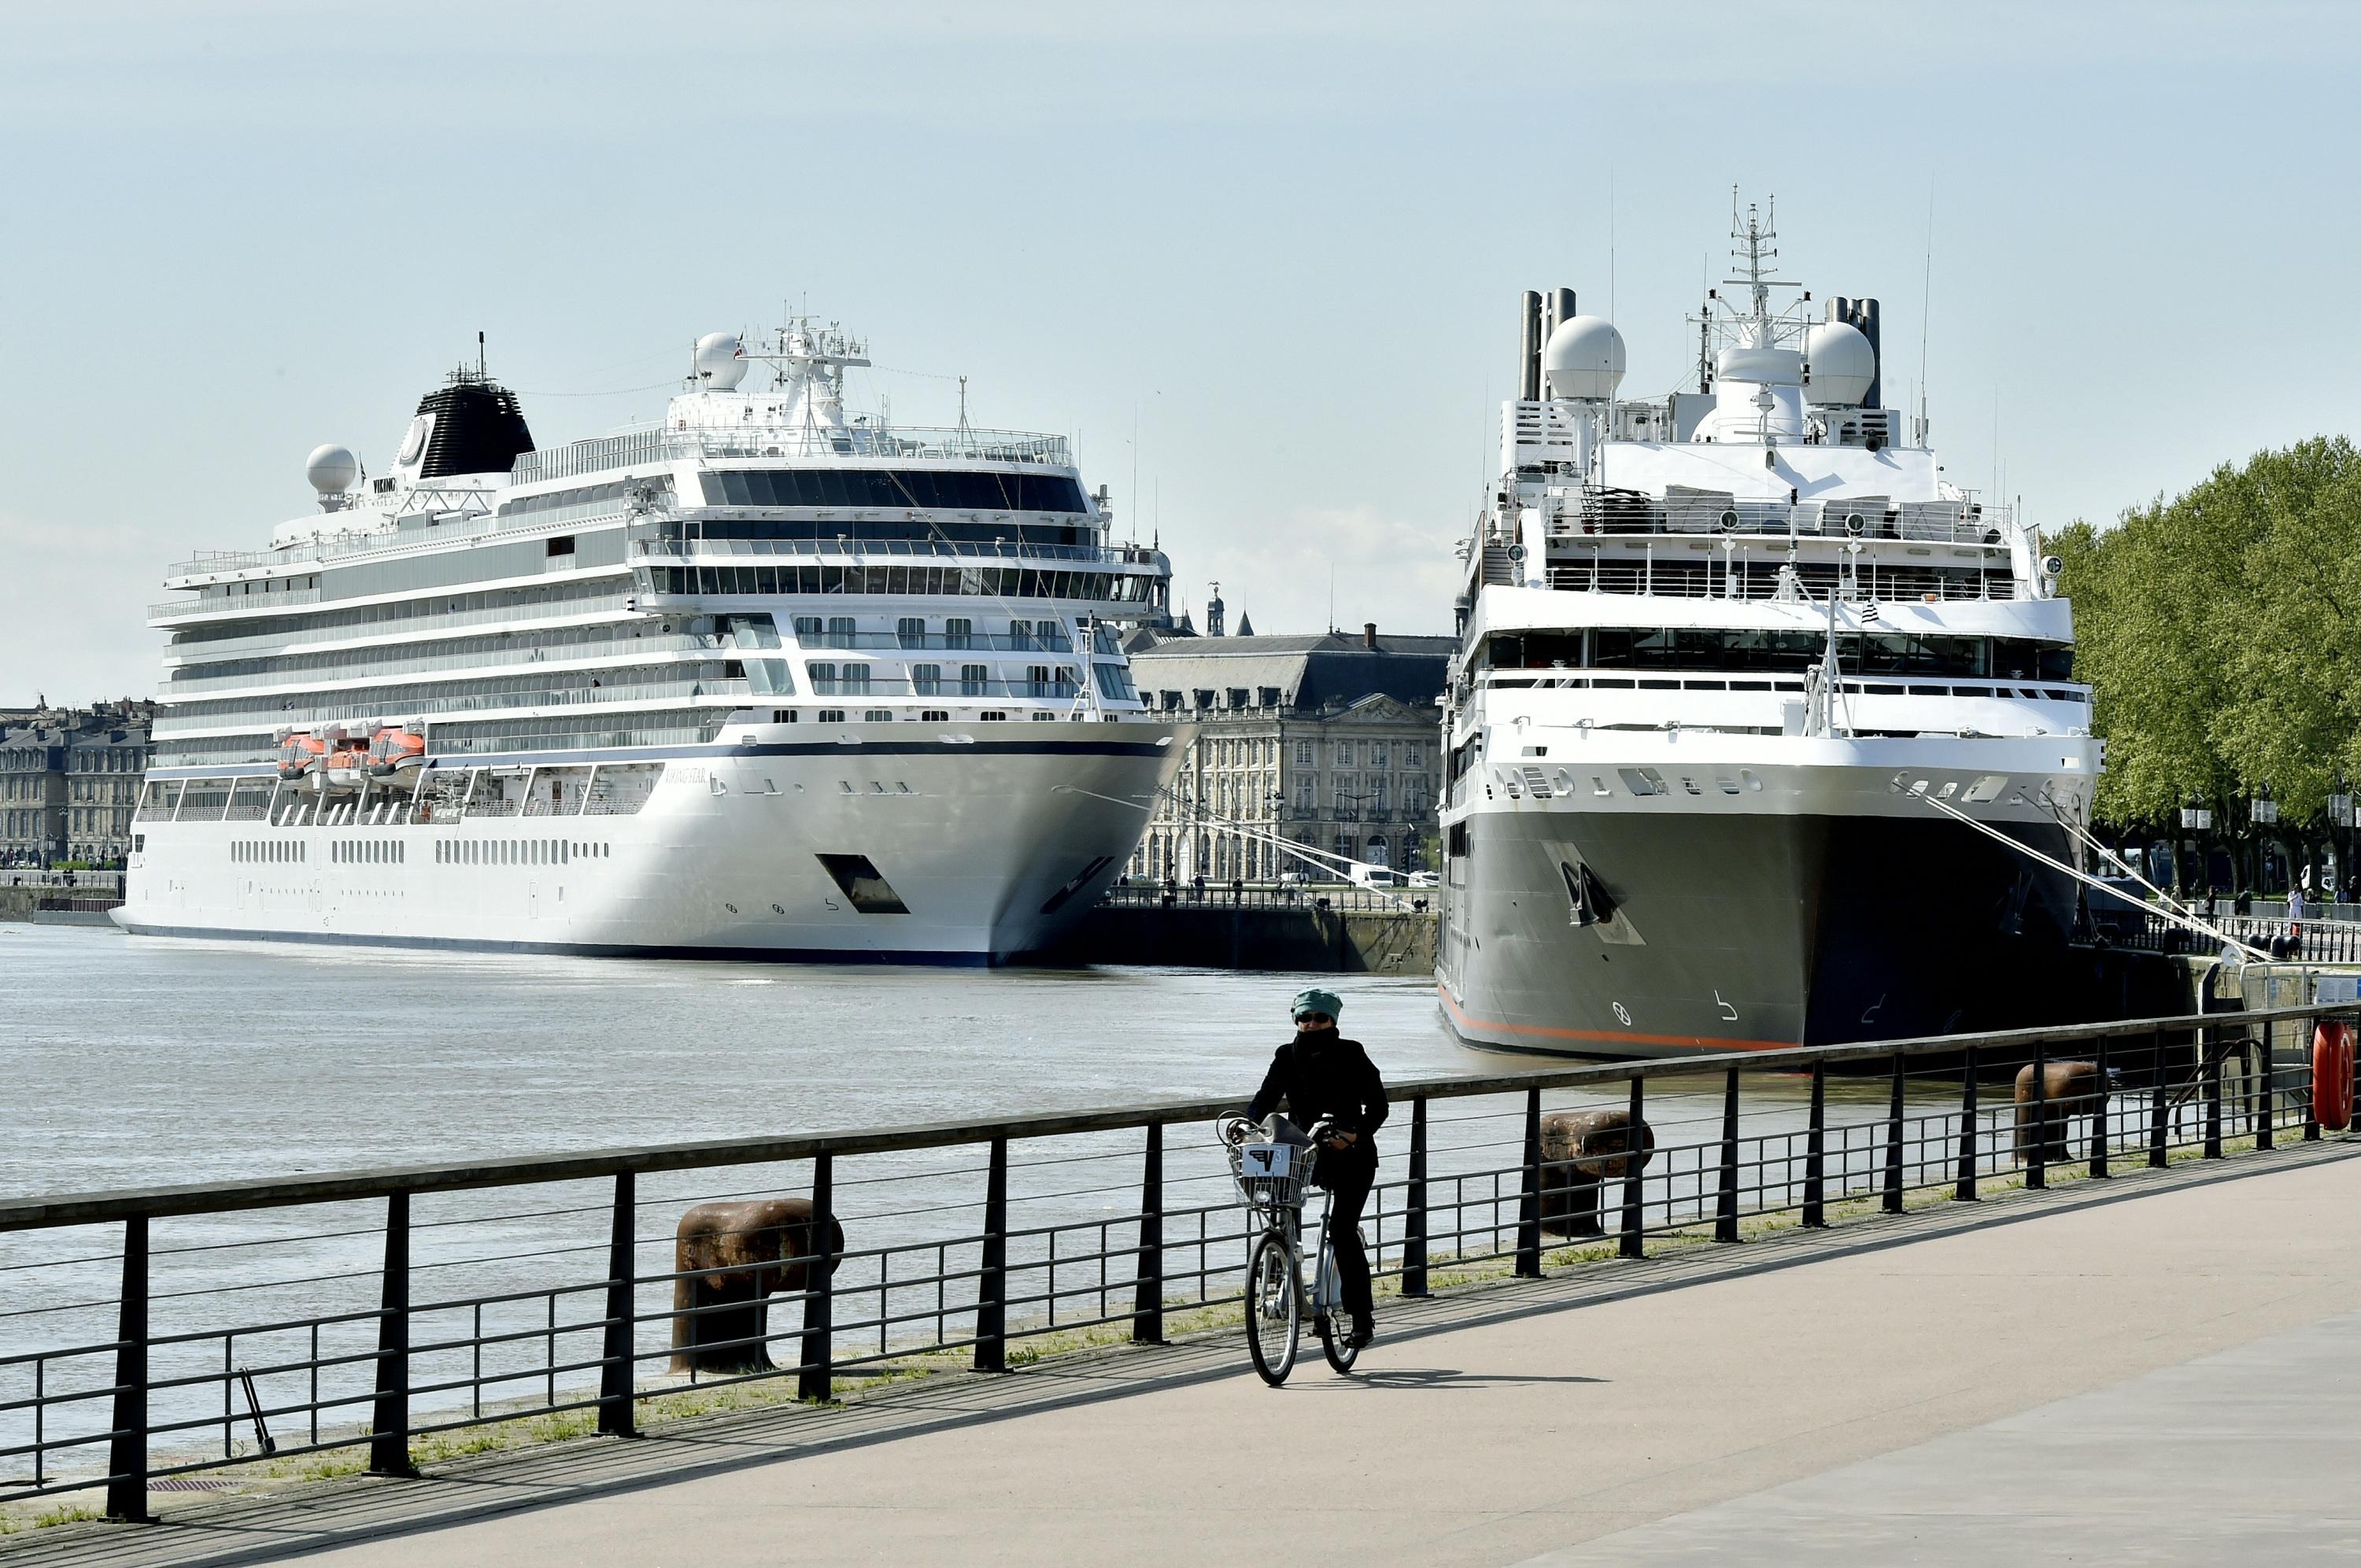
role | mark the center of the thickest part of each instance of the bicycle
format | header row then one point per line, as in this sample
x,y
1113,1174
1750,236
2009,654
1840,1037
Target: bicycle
x,y
1271,1177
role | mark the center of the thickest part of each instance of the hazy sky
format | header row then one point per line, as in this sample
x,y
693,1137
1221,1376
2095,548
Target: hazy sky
x,y
1280,243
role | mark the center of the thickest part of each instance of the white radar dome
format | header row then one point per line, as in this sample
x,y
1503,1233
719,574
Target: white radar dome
x,y
1843,363
332,469
720,361
1584,358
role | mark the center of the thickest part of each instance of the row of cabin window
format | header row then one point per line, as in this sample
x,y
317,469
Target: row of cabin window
x,y
910,631
368,851
926,582
267,851
1877,653
517,852
894,489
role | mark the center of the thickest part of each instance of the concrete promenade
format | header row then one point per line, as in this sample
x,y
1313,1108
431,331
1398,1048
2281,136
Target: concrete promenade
x,y
2160,1368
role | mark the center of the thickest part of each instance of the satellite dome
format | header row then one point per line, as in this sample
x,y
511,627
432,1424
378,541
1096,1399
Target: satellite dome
x,y
332,469
1843,363
1584,358
720,361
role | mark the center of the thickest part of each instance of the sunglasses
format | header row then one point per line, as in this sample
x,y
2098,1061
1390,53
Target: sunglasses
x,y
1319,1020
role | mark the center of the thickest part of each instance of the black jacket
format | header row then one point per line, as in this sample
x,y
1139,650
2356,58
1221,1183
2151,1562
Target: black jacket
x,y
1323,1074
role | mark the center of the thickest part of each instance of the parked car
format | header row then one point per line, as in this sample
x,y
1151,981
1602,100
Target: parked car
x,y
1425,879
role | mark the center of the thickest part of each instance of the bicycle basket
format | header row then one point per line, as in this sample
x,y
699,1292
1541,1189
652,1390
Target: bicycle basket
x,y
1272,1175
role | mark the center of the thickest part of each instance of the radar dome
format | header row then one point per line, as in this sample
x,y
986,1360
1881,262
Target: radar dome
x,y
332,469
1584,358
720,361
1843,363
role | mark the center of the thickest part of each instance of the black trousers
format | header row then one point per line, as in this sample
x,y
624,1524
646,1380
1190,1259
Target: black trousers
x,y
1349,1179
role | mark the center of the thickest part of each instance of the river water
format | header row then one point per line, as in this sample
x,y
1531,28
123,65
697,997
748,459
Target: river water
x,y
140,1061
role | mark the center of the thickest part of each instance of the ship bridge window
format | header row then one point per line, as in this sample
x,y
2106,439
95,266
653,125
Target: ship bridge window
x,y
901,489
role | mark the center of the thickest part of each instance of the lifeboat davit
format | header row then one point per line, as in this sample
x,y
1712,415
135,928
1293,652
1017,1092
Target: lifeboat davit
x,y
395,749
299,751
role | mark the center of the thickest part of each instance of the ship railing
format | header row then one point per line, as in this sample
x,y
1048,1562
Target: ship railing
x,y
221,603
918,442
419,626
1761,582
388,661
521,702
227,1329
1871,518
688,551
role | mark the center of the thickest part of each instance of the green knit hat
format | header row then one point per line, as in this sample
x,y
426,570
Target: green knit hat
x,y
1317,1001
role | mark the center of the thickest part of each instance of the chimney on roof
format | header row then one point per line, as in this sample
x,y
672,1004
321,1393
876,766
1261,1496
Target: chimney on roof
x,y
1369,635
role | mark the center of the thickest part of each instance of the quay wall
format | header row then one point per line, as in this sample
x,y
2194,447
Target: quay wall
x,y
1298,937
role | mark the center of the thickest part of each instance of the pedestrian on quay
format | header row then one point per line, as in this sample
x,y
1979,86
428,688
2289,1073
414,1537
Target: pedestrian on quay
x,y
1238,890
1197,886
1321,1073
2295,914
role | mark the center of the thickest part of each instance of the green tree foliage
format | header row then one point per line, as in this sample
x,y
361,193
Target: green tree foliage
x,y
2217,631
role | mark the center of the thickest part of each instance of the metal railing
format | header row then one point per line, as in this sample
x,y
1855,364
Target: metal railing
x,y
2317,941
1868,518
867,550
1219,895
147,1335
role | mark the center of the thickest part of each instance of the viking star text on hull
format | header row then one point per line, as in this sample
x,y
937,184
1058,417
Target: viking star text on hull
x,y
769,679
1726,655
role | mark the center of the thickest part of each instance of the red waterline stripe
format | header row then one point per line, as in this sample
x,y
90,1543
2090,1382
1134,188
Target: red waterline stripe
x,y
1623,1036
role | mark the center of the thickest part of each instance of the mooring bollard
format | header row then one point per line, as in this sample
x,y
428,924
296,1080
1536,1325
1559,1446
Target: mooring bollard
x,y
2046,1101
1581,1152
728,1259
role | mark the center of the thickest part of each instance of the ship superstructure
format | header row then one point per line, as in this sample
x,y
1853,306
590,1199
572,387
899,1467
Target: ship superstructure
x,y
769,677
1732,658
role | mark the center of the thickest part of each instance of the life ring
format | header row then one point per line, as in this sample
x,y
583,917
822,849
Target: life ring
x,y
2332,1074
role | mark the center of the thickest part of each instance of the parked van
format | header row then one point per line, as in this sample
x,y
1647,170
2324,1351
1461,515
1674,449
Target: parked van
x,y
1366,875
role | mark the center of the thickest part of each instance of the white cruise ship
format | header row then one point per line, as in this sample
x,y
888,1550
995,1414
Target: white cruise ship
x,y
1756,709
769,679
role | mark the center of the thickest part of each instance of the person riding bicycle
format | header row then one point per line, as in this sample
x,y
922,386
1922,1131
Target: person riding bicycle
x,y
1321,1073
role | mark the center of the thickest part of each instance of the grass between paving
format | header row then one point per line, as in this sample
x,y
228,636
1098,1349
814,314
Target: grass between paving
x,y
658,1407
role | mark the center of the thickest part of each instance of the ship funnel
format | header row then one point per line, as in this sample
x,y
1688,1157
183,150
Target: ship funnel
x,y
1862,315
1528,348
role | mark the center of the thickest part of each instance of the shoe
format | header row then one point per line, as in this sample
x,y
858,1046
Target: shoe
x,y
1364,1332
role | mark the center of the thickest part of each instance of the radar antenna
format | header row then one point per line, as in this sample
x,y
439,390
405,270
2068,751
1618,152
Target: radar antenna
x,y
1753,251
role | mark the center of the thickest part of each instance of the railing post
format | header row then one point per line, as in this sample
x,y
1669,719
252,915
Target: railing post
x,y
2213,1070
1529,1202
2265,1112
1725,1206
1814,1150
390,1422
1966,1190
126,1460
2099,1118
1633,1232
2037,1162
1147,1300
991,1287
2160,1110
615,1373
816,1356
1414,1277
2311,1082
1893,1142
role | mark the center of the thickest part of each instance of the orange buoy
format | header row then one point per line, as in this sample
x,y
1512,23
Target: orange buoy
x,y
2332,1074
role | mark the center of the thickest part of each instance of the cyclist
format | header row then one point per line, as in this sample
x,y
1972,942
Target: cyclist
x,y
1321,1073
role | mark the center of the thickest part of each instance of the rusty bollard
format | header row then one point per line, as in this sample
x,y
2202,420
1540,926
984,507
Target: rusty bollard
x,y
730,1258
1580,1149
2070,1089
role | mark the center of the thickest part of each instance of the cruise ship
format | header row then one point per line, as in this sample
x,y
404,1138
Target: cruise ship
x,y
1764,731
768,679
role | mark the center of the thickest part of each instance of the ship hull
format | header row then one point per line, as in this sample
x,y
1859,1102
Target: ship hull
x,y
981,854
1718,930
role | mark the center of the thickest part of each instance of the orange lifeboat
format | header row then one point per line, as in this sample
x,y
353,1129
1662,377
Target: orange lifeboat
x,y
299,751
395,750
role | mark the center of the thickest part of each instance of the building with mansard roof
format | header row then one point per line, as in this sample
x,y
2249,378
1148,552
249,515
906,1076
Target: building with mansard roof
x,y
1326,739
70,780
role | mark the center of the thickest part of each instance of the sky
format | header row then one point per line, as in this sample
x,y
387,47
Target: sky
x,y
1261,260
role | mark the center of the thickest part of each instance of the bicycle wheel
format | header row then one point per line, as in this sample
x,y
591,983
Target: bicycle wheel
x,y
1274,1308
1331,1342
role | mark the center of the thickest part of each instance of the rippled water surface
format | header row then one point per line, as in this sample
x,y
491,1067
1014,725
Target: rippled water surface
x,y
137,1062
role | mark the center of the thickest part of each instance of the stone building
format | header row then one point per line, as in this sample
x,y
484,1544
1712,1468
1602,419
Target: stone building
x,y
1329,741
69,781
